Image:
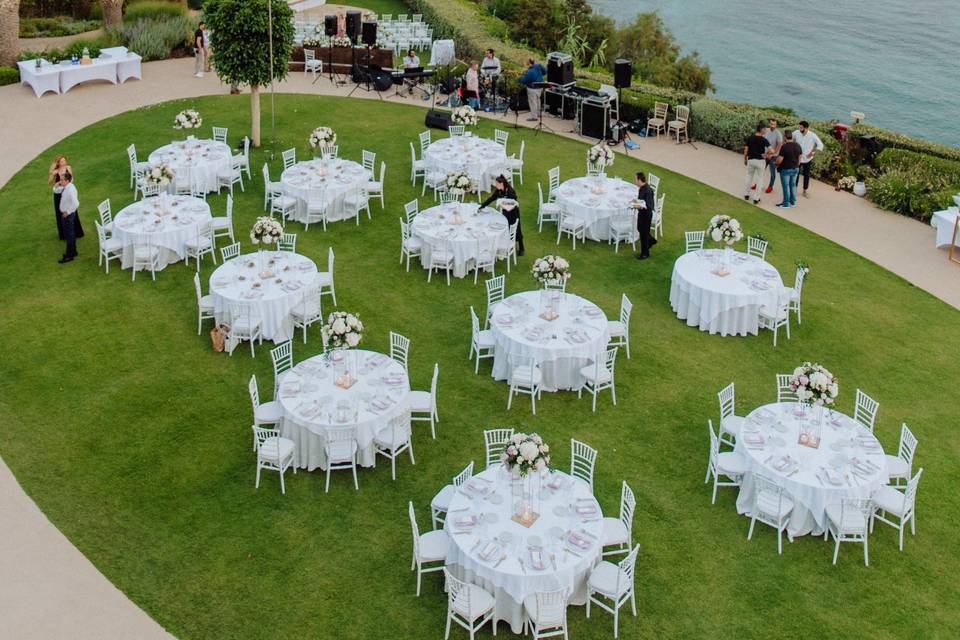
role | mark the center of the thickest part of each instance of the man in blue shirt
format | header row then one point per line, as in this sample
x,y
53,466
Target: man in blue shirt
x,y
533,75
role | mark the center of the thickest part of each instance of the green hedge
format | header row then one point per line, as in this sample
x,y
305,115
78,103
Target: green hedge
x,y
153,10
9,75
54,27
887,139
914,184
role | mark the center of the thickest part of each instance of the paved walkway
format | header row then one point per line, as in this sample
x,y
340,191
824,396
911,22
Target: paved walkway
x,y
56,42
48,589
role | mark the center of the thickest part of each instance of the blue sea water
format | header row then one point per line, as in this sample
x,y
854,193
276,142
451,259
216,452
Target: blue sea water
x,y
897,61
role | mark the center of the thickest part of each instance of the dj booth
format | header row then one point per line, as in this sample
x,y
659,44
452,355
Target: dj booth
x,y
590,108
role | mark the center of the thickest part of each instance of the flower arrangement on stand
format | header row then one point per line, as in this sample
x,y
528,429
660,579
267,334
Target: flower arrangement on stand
x,y
265,231
600,155
723,228
464,115
342,330
814,386
551,269
160,175
526,459
187,119
322,137
459,183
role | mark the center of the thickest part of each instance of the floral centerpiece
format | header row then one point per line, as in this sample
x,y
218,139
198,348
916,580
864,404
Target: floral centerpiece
x,y
814,384
723,228
600,155
160,175
341,41
464,115
187,119
342,330
266,230
322,137
525,453
551,269
459,183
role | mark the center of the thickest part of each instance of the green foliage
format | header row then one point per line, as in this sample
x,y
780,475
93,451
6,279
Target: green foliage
x,y
109,39
156,39
948,170
9,75
54,27
504,9
539,24
242,26
96,12
891,139
656,56
914,184
153,10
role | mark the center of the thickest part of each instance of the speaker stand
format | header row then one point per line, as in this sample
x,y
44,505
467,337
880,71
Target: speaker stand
x,y
540,126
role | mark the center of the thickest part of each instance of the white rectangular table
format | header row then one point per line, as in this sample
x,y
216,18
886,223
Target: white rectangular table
x,y
46,78
943,222
128,63
99,69
115,65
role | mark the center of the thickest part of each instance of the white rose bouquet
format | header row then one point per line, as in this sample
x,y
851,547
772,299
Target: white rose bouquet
x,y
266,230
723,228
160,175
526,453
323,137
600,155
814,385
552,269
341,41
187,119
458,182
342,330
464,115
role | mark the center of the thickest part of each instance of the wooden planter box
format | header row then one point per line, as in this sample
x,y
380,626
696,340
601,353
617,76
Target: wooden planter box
x,y
343,57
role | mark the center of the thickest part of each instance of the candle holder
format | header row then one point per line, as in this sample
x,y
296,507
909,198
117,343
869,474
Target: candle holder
x,y
811,432
526,499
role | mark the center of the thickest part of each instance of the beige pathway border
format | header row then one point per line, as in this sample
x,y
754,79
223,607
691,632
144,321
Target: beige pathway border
x,y
49,589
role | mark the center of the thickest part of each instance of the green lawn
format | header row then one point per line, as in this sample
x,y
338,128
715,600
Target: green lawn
x,y
134,438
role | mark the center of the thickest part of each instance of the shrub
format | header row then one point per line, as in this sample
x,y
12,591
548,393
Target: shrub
x,y
891,139
96,12
892,159
911,192
153,10
156,39
54,27
9,75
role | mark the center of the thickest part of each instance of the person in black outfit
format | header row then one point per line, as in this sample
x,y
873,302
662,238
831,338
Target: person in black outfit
x,y
502,189
644,205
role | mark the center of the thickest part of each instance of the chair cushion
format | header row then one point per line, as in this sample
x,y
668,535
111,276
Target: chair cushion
x,y
656,121
418,165
374,187
392,439
413,244
284,202
310,310
245,325
616,328
890,500
614,532
269,412
604,580
572,224
145,252
421,402
441,501
343,451
897,467
221,223
853,520
522,375
203,242
530,604
590,373
485,339
480,602
731,463
433,546
206,303
276,449
767,502
324,279
112,245
731,425
550,207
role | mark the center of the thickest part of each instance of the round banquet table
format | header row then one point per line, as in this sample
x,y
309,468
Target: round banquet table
x,y
849,462
561,346
167,222
313,403
194,159
466,229
728,305
557,551
594,200
327,178
483,159
238,281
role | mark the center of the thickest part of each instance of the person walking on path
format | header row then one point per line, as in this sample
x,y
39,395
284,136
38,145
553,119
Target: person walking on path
x,y
755,159
810,143
788,163
775,138
199,51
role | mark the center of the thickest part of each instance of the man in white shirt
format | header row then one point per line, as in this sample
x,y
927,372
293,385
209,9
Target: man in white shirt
x,y
810,143
411,61
69,203
490,65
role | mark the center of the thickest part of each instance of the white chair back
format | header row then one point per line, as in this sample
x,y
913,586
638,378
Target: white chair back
x,y
757,247
282,358
288,242
495,443
784,392
728,402
106,215
554,176
399,348
866,410
230,251
369,160
694,240
908,445
456,130
411,209
220,134
626,309
583,460
501,137
289,158
425,139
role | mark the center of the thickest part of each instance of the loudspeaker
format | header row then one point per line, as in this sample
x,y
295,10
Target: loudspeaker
x,y
560,68
369,34
622,73
330,25
553,102
438,120
594,119
353,25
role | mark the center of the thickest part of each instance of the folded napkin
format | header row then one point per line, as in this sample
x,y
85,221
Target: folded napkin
x,y
586,509
783,463
536,559
477,487
379,404
489,551
466,522
393,380
579,541
756,439
832,476
556,482
290,390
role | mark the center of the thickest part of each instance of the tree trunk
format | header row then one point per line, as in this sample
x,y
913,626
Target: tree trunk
x,y
255,115
112,12
9,31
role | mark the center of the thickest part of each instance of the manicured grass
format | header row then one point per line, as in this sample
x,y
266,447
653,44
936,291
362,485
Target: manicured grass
x,y
134,437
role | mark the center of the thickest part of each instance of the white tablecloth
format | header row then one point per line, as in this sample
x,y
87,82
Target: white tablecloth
x,y
483,159
169,221
98,69
594,200
312,403
509,581
476,231
561,346
271,299
128,66
195,159
332,179
943,222
46,78
843,442
728,305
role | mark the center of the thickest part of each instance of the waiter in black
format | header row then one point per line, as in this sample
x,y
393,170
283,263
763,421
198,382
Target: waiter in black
x,y
502,189
644,206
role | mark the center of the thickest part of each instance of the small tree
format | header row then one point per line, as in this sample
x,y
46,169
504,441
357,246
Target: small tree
x,y
241,46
